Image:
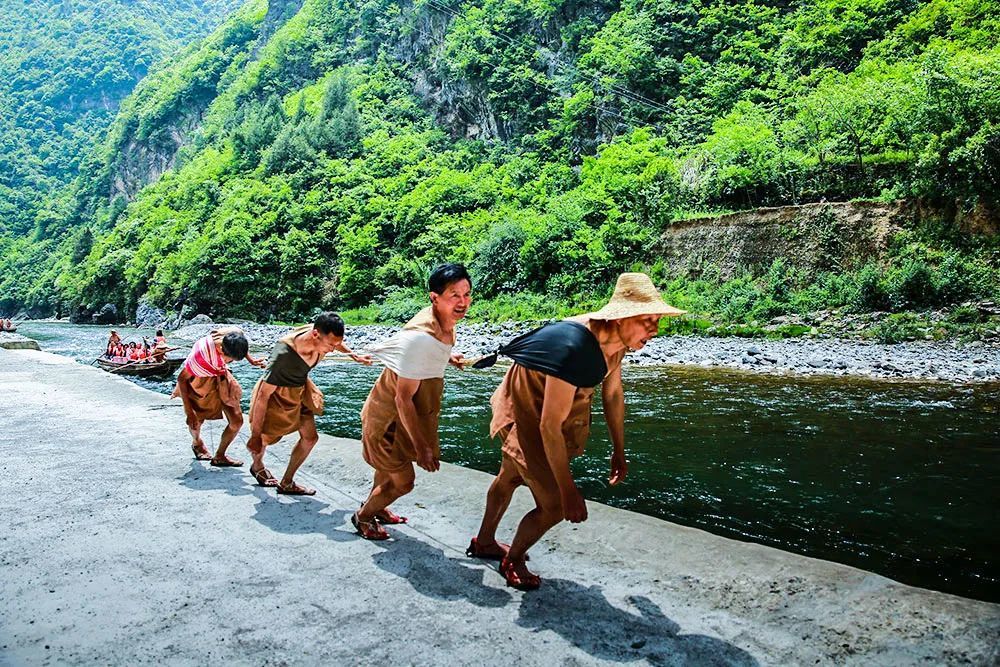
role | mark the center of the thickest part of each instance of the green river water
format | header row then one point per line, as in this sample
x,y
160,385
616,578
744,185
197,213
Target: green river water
x,y
902,479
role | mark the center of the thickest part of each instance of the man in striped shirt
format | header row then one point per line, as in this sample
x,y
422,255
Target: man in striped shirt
x,y
210,391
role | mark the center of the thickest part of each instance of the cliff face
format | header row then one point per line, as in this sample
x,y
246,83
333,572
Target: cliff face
x,y
145,148
828,236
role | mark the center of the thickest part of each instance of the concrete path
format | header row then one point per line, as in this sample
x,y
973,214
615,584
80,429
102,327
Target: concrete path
x,y
118,549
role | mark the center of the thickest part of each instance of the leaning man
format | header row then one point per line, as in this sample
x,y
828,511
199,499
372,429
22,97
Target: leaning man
x,y
399,420
209,390
286,400
542,414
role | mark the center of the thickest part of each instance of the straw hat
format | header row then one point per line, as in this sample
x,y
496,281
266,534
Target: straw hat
x,y
634,295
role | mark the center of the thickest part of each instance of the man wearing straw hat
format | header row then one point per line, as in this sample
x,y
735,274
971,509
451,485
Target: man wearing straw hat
x,y
209,390
542,413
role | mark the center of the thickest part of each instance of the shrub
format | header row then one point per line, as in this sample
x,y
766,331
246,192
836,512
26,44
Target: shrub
x,y
496,268
911,285
868,293
399,305
898,327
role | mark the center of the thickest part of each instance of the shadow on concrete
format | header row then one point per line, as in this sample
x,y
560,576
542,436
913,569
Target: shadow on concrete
x,y
300,515
584,617
431,573
203,477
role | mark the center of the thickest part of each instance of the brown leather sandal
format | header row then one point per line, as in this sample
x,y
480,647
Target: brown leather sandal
x,y
225,462
295,490
370,530
527,582
264,477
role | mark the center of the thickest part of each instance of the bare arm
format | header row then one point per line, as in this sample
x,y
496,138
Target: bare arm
x,y
556,404
406,389
259,363
613,398
365,359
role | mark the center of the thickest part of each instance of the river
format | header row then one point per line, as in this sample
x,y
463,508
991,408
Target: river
x,y
898,478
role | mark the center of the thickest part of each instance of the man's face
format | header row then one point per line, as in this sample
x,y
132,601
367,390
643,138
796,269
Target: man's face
x,y
453,301
636,331
326,342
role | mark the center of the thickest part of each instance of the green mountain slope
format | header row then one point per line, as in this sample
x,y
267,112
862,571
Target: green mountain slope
x,y
326,152
65,66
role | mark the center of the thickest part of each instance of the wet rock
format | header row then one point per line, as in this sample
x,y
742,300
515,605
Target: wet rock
x,y
148,315
108,314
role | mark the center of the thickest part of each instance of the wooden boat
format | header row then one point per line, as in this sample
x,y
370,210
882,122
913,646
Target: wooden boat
x,y
141,369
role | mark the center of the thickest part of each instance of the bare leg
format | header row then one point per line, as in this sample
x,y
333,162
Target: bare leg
x,y
533,526
547,513
234,419
387,489
308,437
197,444
497,501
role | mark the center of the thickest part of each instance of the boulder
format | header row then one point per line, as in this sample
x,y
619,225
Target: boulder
x,y
200,318
108,314
148,315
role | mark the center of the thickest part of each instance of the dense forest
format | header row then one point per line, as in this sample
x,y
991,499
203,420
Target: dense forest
x,y
325,153
66,65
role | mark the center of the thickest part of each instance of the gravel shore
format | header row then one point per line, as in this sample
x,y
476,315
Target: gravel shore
x,y
921,360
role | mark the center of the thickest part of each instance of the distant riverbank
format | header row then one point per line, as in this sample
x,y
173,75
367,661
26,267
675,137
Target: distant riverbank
x,y
946,361
919,360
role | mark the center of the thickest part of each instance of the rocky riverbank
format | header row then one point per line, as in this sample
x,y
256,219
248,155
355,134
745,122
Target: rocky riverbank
x,y
921,360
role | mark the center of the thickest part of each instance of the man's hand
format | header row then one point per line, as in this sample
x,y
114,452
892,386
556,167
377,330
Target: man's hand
x,y
365,359
574,508
259,363
619,468
427,460
456,361
255,444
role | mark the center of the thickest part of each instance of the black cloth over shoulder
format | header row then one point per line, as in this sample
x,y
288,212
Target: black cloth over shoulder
x,y
566,350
